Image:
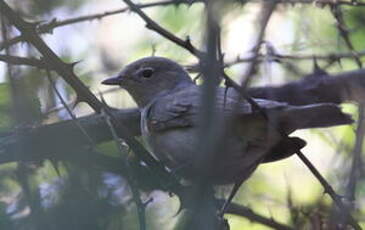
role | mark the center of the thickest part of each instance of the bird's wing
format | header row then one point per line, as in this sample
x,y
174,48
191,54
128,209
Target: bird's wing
x,y
180,109
174,110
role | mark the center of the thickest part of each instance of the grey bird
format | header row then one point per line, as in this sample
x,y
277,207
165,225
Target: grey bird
x,y
170,103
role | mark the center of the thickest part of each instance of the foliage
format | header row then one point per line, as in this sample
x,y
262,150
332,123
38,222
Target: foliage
x,y
70,192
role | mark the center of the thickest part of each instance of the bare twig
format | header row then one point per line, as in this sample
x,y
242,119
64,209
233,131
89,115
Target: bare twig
x,y
337,88
240,210
152,25
344,32
319,3
83,93
265,15
15,60
39,63
135,192
292,57
330,191
53,24
356,155
74,118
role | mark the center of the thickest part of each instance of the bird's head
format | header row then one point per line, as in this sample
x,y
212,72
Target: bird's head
x,y
149,77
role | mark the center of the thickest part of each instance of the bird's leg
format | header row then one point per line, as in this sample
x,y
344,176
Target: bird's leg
x,y
234,190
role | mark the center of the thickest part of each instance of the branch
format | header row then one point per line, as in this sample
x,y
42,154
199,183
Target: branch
x,y
265,15
136,196
28,30
152,25
330,191
357,160
15,60
53,24
320,3
337,88
343,87
243,211
344,32
292,57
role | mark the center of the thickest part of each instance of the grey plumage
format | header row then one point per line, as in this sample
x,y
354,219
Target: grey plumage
x,y
170,104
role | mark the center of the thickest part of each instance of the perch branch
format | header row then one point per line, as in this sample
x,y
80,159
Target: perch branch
x,y
337,88
28,30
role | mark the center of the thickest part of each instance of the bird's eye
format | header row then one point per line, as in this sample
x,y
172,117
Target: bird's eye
x,y
147,73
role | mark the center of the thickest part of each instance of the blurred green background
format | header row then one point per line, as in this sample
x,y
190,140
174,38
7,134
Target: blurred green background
x,y
39,195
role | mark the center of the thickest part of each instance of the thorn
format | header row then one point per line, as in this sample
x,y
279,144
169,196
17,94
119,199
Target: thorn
x,y
150,200
197,78
188,41
55,165
73,64
49,27
317,70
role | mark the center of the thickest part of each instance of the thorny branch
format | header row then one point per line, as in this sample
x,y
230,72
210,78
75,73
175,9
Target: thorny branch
x,y
15,60
66,72
357,160
141,211
241,89
240,210
54,23
152,25
276,57
265,15
29,30
344,32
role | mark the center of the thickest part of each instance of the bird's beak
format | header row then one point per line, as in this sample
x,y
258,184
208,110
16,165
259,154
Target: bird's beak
x,y
112,81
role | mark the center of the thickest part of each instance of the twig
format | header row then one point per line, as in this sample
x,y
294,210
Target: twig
x,y
356,158
324,183
300,57
73,100
39,63
135,192
74,118
152,25
265,15
53,24
330,191
344,32
240,210
319,3
28,30
15,60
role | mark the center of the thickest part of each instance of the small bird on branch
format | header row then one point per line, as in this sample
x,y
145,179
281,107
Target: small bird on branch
x,y
170,104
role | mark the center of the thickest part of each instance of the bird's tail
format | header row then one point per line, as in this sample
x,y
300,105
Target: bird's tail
x,y
312,116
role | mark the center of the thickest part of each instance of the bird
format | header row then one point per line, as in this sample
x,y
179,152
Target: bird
x,y
170,104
